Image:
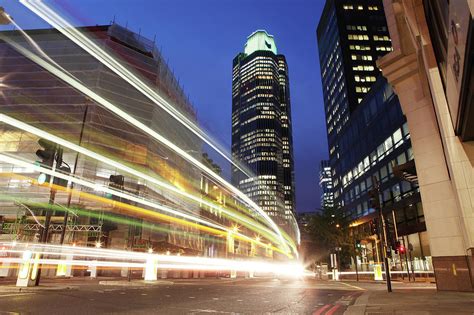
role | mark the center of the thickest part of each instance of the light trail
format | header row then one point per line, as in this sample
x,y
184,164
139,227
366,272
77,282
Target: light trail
x,y
69,31
64,143
109,215
59,23
82,88
210,226
94,186
120,259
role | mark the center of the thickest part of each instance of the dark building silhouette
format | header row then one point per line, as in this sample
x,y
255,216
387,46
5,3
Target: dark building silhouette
x,y
368,136
352,35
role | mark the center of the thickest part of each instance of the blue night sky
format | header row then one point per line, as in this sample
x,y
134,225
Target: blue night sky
x,y
200,39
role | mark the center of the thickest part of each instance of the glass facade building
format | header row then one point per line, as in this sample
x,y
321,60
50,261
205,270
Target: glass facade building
x,y
261,127
37,97
368,136
351,36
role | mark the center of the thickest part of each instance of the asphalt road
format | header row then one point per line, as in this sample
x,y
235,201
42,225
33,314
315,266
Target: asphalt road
x,y
200,296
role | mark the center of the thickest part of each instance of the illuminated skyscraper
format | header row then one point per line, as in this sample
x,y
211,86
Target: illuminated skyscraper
x,y
325,182
261,126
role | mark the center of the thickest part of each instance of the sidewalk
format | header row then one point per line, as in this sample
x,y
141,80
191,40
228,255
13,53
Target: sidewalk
x,y
413,301
53,284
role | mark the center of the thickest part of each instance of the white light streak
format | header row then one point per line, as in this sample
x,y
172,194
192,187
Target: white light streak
x,y
68,30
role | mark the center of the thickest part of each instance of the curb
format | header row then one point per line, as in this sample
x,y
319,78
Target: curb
x,y
135,283
36,289
359,306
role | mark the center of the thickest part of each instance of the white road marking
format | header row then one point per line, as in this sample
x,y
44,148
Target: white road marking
x,y
17,294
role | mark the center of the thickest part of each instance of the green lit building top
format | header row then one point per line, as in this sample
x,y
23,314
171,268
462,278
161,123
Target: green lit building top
x,y
260,41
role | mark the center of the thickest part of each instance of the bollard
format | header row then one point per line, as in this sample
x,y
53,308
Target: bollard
x,y
28,270
4,269
151,269
93,271
124,272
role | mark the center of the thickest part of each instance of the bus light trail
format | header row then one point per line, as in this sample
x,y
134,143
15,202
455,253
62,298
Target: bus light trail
x,y
64,27
89,256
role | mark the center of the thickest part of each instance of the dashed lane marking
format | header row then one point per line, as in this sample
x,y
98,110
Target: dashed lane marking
x,y
353,286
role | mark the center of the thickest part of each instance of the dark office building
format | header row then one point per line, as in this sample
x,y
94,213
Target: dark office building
x,y
351,36
261,127
375,143
367,132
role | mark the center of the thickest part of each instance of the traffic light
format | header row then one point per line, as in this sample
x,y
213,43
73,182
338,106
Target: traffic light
x,y
63,170
116,182
374,229
402,249
358,244
374,199
47,154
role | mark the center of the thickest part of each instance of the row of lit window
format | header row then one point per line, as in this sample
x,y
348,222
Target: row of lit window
x,y
382,48
363,68
356,27
381,38
359,47
362,89
358,37
351,7
358,78
386,147
361,57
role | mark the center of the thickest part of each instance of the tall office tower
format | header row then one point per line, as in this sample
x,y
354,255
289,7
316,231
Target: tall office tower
x,y
369,140
352,35
325,182
261,126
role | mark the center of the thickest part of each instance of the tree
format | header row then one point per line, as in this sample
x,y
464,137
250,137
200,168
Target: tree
x,y
328,231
